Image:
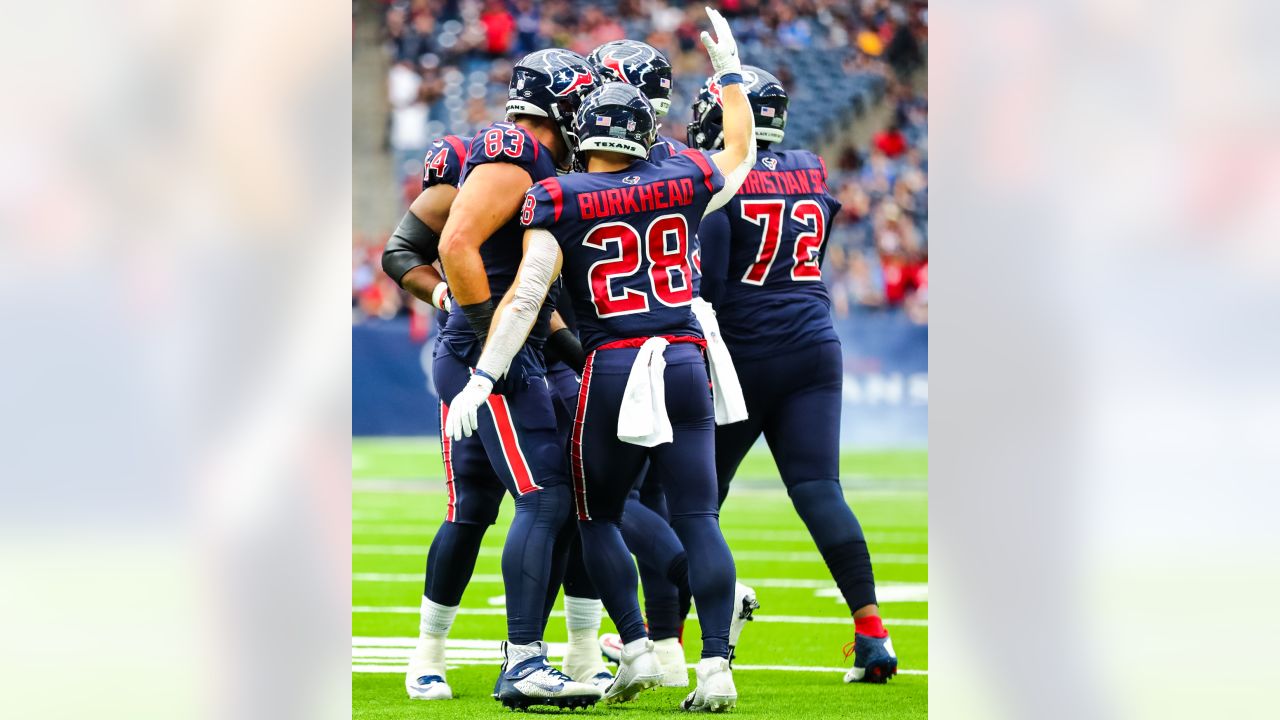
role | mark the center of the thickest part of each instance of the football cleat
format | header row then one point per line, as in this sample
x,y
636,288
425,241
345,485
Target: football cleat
x,y
671,658
638,670
427,687
873,659
527,680
611,647
744,604
715,691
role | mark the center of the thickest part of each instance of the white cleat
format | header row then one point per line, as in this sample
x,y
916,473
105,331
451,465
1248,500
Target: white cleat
x,y
715,691
638,670
611,647
671,656
427,686
744,605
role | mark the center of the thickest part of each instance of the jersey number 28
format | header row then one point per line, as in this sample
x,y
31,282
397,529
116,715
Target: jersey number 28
x,y
665,245
768,215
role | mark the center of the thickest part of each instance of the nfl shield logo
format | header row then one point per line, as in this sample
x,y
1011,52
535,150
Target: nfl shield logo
x,y
631,125
770,163
604,120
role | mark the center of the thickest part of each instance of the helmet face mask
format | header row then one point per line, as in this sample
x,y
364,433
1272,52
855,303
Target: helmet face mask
x,y
639,64
618,118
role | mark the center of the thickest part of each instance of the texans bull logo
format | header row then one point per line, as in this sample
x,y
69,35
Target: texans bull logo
x,y
581,78
771,163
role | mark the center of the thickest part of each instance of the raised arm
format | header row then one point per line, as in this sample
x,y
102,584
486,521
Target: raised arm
x,y
488,200
739,153
415,245
512,322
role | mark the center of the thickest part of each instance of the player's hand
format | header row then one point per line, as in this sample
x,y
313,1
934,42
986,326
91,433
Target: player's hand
x,y
724,49
464,411
440,297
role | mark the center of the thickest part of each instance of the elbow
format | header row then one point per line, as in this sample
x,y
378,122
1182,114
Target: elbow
x,y
452,246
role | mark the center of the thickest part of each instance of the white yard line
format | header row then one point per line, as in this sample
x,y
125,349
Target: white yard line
x,y
762,618
428,530
388,655
759,555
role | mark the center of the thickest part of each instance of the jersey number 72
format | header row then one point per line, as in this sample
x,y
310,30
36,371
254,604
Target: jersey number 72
x,y
768,214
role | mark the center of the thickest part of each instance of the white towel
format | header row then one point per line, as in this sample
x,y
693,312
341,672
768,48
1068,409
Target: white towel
x,y
642,418
731,406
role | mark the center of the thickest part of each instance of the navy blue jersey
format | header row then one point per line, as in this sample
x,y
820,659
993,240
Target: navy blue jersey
x,y
664,148
625,237
765,256
506,143
443,162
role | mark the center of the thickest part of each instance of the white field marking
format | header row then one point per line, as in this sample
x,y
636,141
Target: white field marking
x,y
760,555
428,531
886,592
389,655
764,618
498,601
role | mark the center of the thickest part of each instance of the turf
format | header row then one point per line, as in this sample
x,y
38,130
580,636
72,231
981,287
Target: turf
x,y
397,503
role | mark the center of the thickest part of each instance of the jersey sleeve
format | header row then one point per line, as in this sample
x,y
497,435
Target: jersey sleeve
x,y
443,162
505,143
706,176
543,204
665,148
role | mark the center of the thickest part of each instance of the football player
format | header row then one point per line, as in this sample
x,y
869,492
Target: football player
x,y
516,449
661,559
762,258
622,233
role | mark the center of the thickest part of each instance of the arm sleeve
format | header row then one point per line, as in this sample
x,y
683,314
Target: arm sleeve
x,y
714,234
412,244
734,179
537,271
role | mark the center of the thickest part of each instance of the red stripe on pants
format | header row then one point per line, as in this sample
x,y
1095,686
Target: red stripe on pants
x,y
511,445
446,451
579,471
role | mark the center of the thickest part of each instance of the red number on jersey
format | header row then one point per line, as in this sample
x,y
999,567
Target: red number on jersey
x,y
602,272
526,212
436,161
808,244
667,248
768,214
493,142
667,261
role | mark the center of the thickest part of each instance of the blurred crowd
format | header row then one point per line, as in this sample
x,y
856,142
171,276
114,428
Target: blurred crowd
x,y
450,61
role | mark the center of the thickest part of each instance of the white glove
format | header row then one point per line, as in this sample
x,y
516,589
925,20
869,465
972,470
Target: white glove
x,y
724,49
440,297
463,413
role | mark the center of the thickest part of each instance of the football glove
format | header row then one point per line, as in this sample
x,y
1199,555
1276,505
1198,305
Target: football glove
x,y
724,49
463,415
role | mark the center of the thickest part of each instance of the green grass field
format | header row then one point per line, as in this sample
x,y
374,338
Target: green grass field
x,y
398,501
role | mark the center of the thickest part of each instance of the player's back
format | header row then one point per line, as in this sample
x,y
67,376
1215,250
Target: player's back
x,y
504,142
778,224
625,237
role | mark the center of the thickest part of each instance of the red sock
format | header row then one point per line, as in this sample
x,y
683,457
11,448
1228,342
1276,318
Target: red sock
x,y
870,626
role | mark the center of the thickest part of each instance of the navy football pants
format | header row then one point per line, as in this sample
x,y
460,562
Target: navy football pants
x,y
516,450
794,400
605,469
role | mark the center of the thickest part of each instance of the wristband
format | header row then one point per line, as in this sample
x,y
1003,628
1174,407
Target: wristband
x,y
480,316
730,78
492,380
439,294
564,346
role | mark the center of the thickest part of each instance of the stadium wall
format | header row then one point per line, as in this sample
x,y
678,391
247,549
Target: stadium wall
x,y
886,386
